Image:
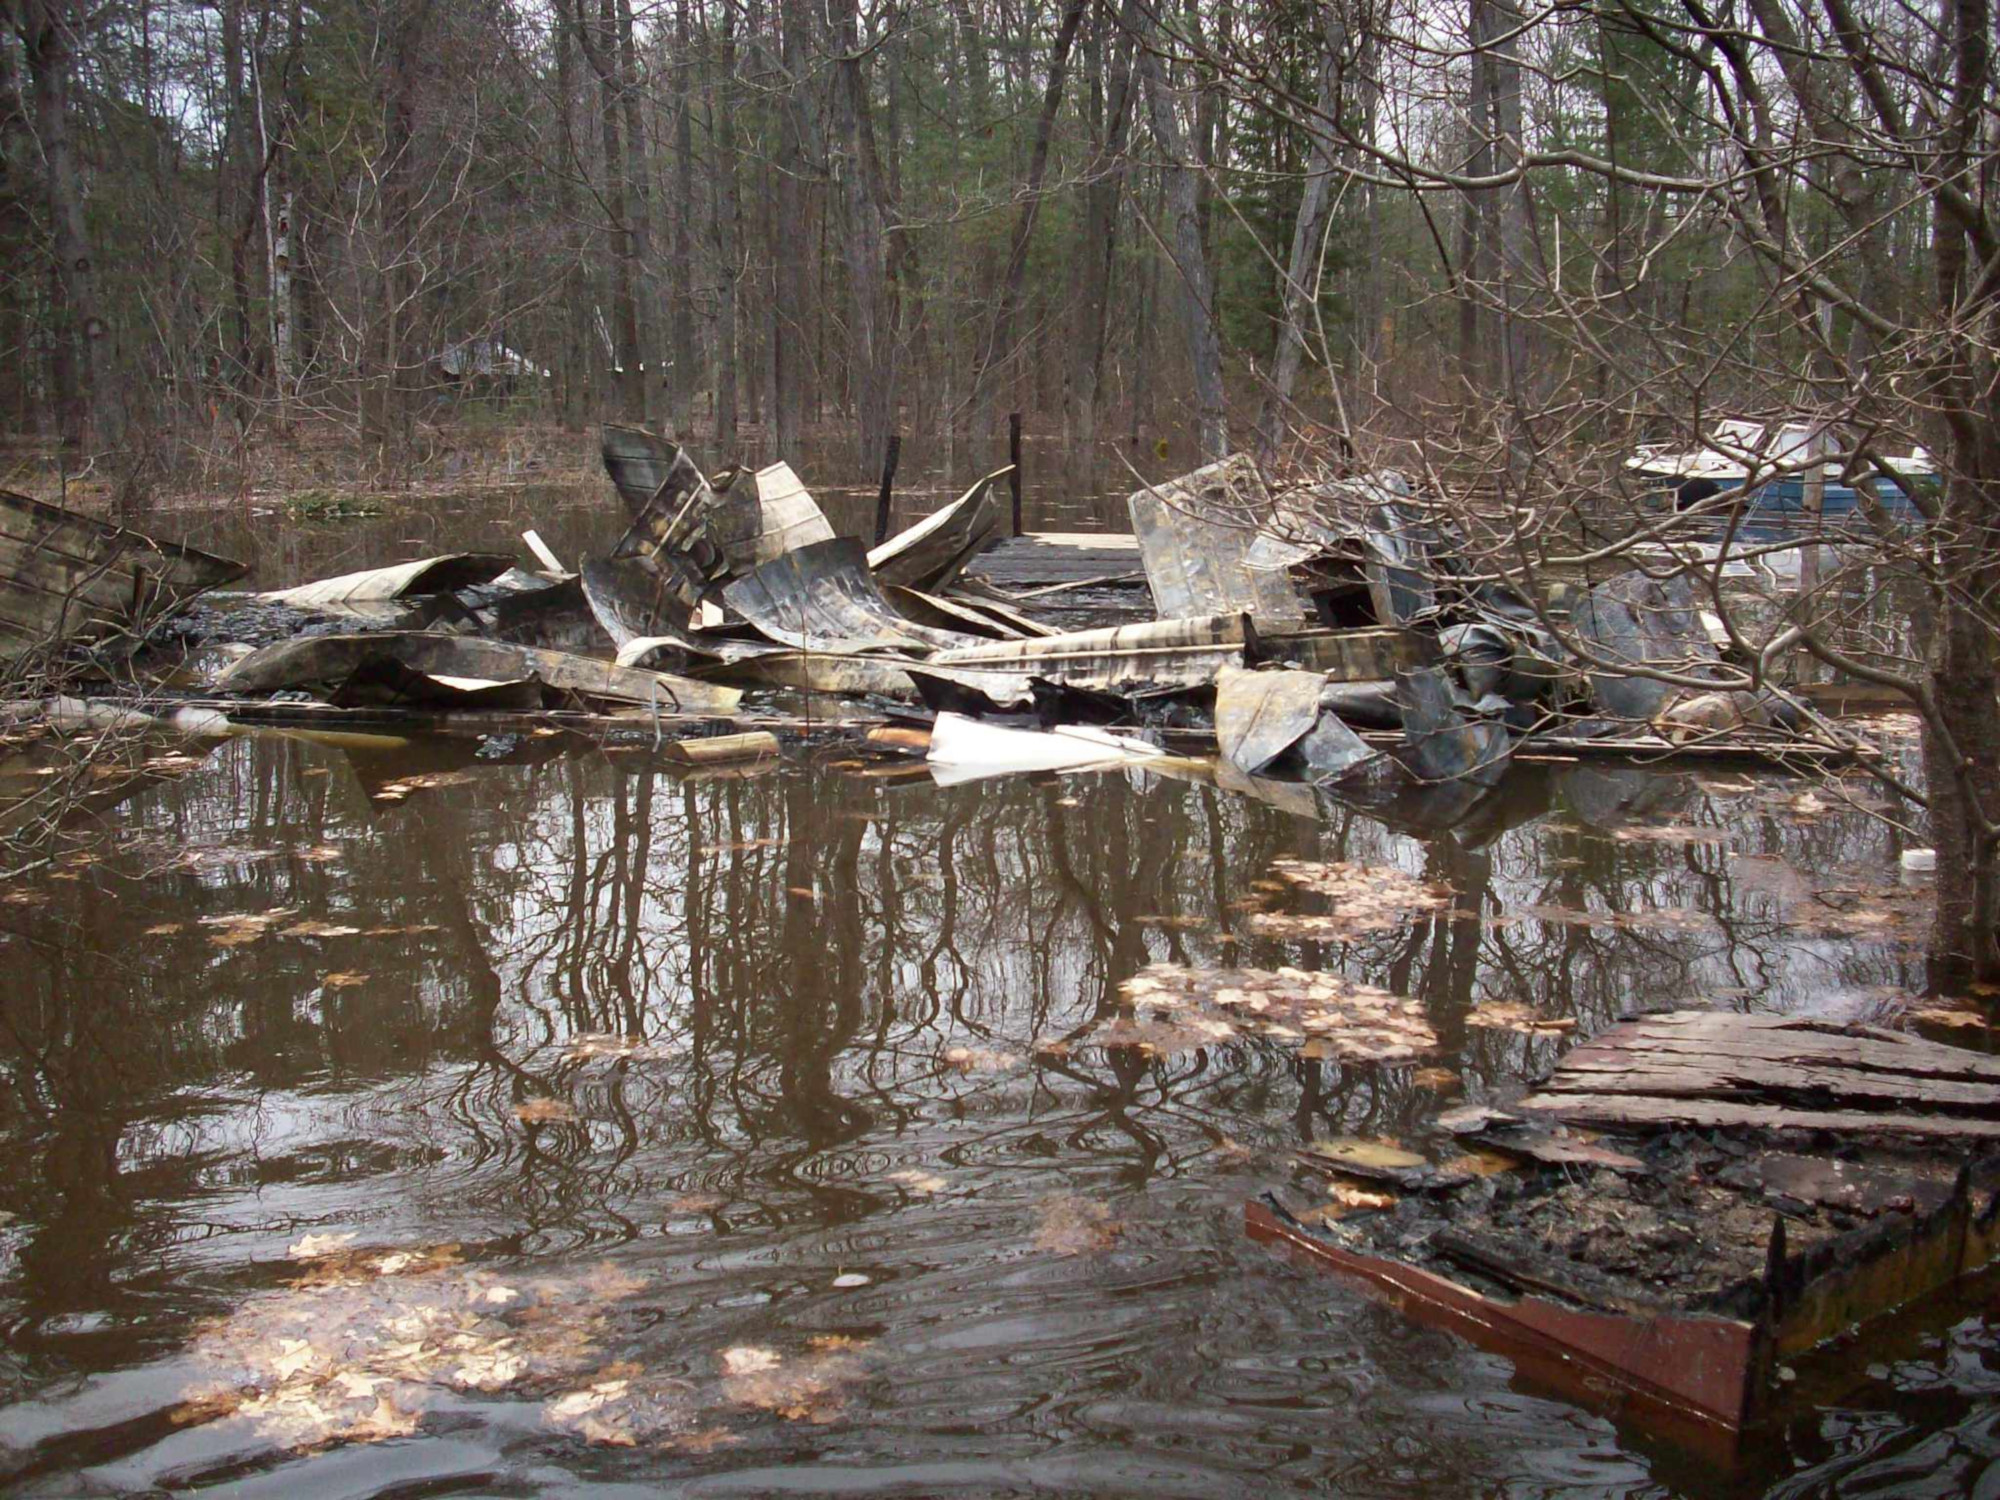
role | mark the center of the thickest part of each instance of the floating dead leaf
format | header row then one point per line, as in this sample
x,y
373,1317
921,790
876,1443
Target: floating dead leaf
x,y
1505,1015
979,1060
747,1359
1055,1047
591,1044
1651,833
835,1343
799,1390
801,893
344,979
319,854
1354,1022
165,929
1366,899
1071,1225
238,928
921,1183
1952,1016
1182,923
1163,1038
1439,1080
313,1246
543,1110
408,929
319,930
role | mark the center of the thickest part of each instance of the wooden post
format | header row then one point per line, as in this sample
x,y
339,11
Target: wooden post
x,y
888,479
1014,458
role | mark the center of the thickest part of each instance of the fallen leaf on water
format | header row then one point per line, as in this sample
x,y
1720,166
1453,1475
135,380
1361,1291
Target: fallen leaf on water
x,y
847,1280
921,1183
802,892
748,1359
1953,1016
165,929
1505,1015
1442,1080
833,1343
1366,899
1184,923
1070,1225
980,1060
695,1203
543,1110
238,928
312,1246
344,980
319,854
319,930
1352,1022
1643,833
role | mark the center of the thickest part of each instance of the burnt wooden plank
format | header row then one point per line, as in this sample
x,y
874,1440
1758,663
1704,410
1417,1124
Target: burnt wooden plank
x,y
1720,1075
1642,1112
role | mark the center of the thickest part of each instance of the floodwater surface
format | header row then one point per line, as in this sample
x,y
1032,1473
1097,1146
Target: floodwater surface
x,y
521,1116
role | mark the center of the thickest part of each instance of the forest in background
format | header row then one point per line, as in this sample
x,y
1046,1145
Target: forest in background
x,y
393,223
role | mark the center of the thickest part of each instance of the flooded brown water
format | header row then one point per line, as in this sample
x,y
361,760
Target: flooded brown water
x,y
528,1118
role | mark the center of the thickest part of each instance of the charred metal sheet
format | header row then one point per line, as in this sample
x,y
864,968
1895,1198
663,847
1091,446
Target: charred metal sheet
x,y
1447,736
999,604
930,554
1648,623
65,576
818,672
1195,536
972,690
942,612
1262,717
765,518
821,597
630,600
1154,657
1370,655
323,663
1369,704
408,580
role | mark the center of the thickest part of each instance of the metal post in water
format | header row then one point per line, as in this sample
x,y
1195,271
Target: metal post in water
x,y
888,480
1014,458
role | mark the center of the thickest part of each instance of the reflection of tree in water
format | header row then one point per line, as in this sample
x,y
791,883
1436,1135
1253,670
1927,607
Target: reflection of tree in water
x,y
785,962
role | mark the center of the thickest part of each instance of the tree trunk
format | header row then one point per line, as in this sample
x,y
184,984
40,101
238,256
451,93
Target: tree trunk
x,y
1308,229
599,42
95,417
1184,227
723,202
871,353
788,321
639,223
684,354
1000,339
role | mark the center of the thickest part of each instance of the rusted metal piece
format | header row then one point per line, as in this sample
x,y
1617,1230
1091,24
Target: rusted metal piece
x,y
65,576
1367,655
1690,1375
1197,534
932,553
328,664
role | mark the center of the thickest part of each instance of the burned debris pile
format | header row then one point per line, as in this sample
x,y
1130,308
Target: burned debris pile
x,y
1329,638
